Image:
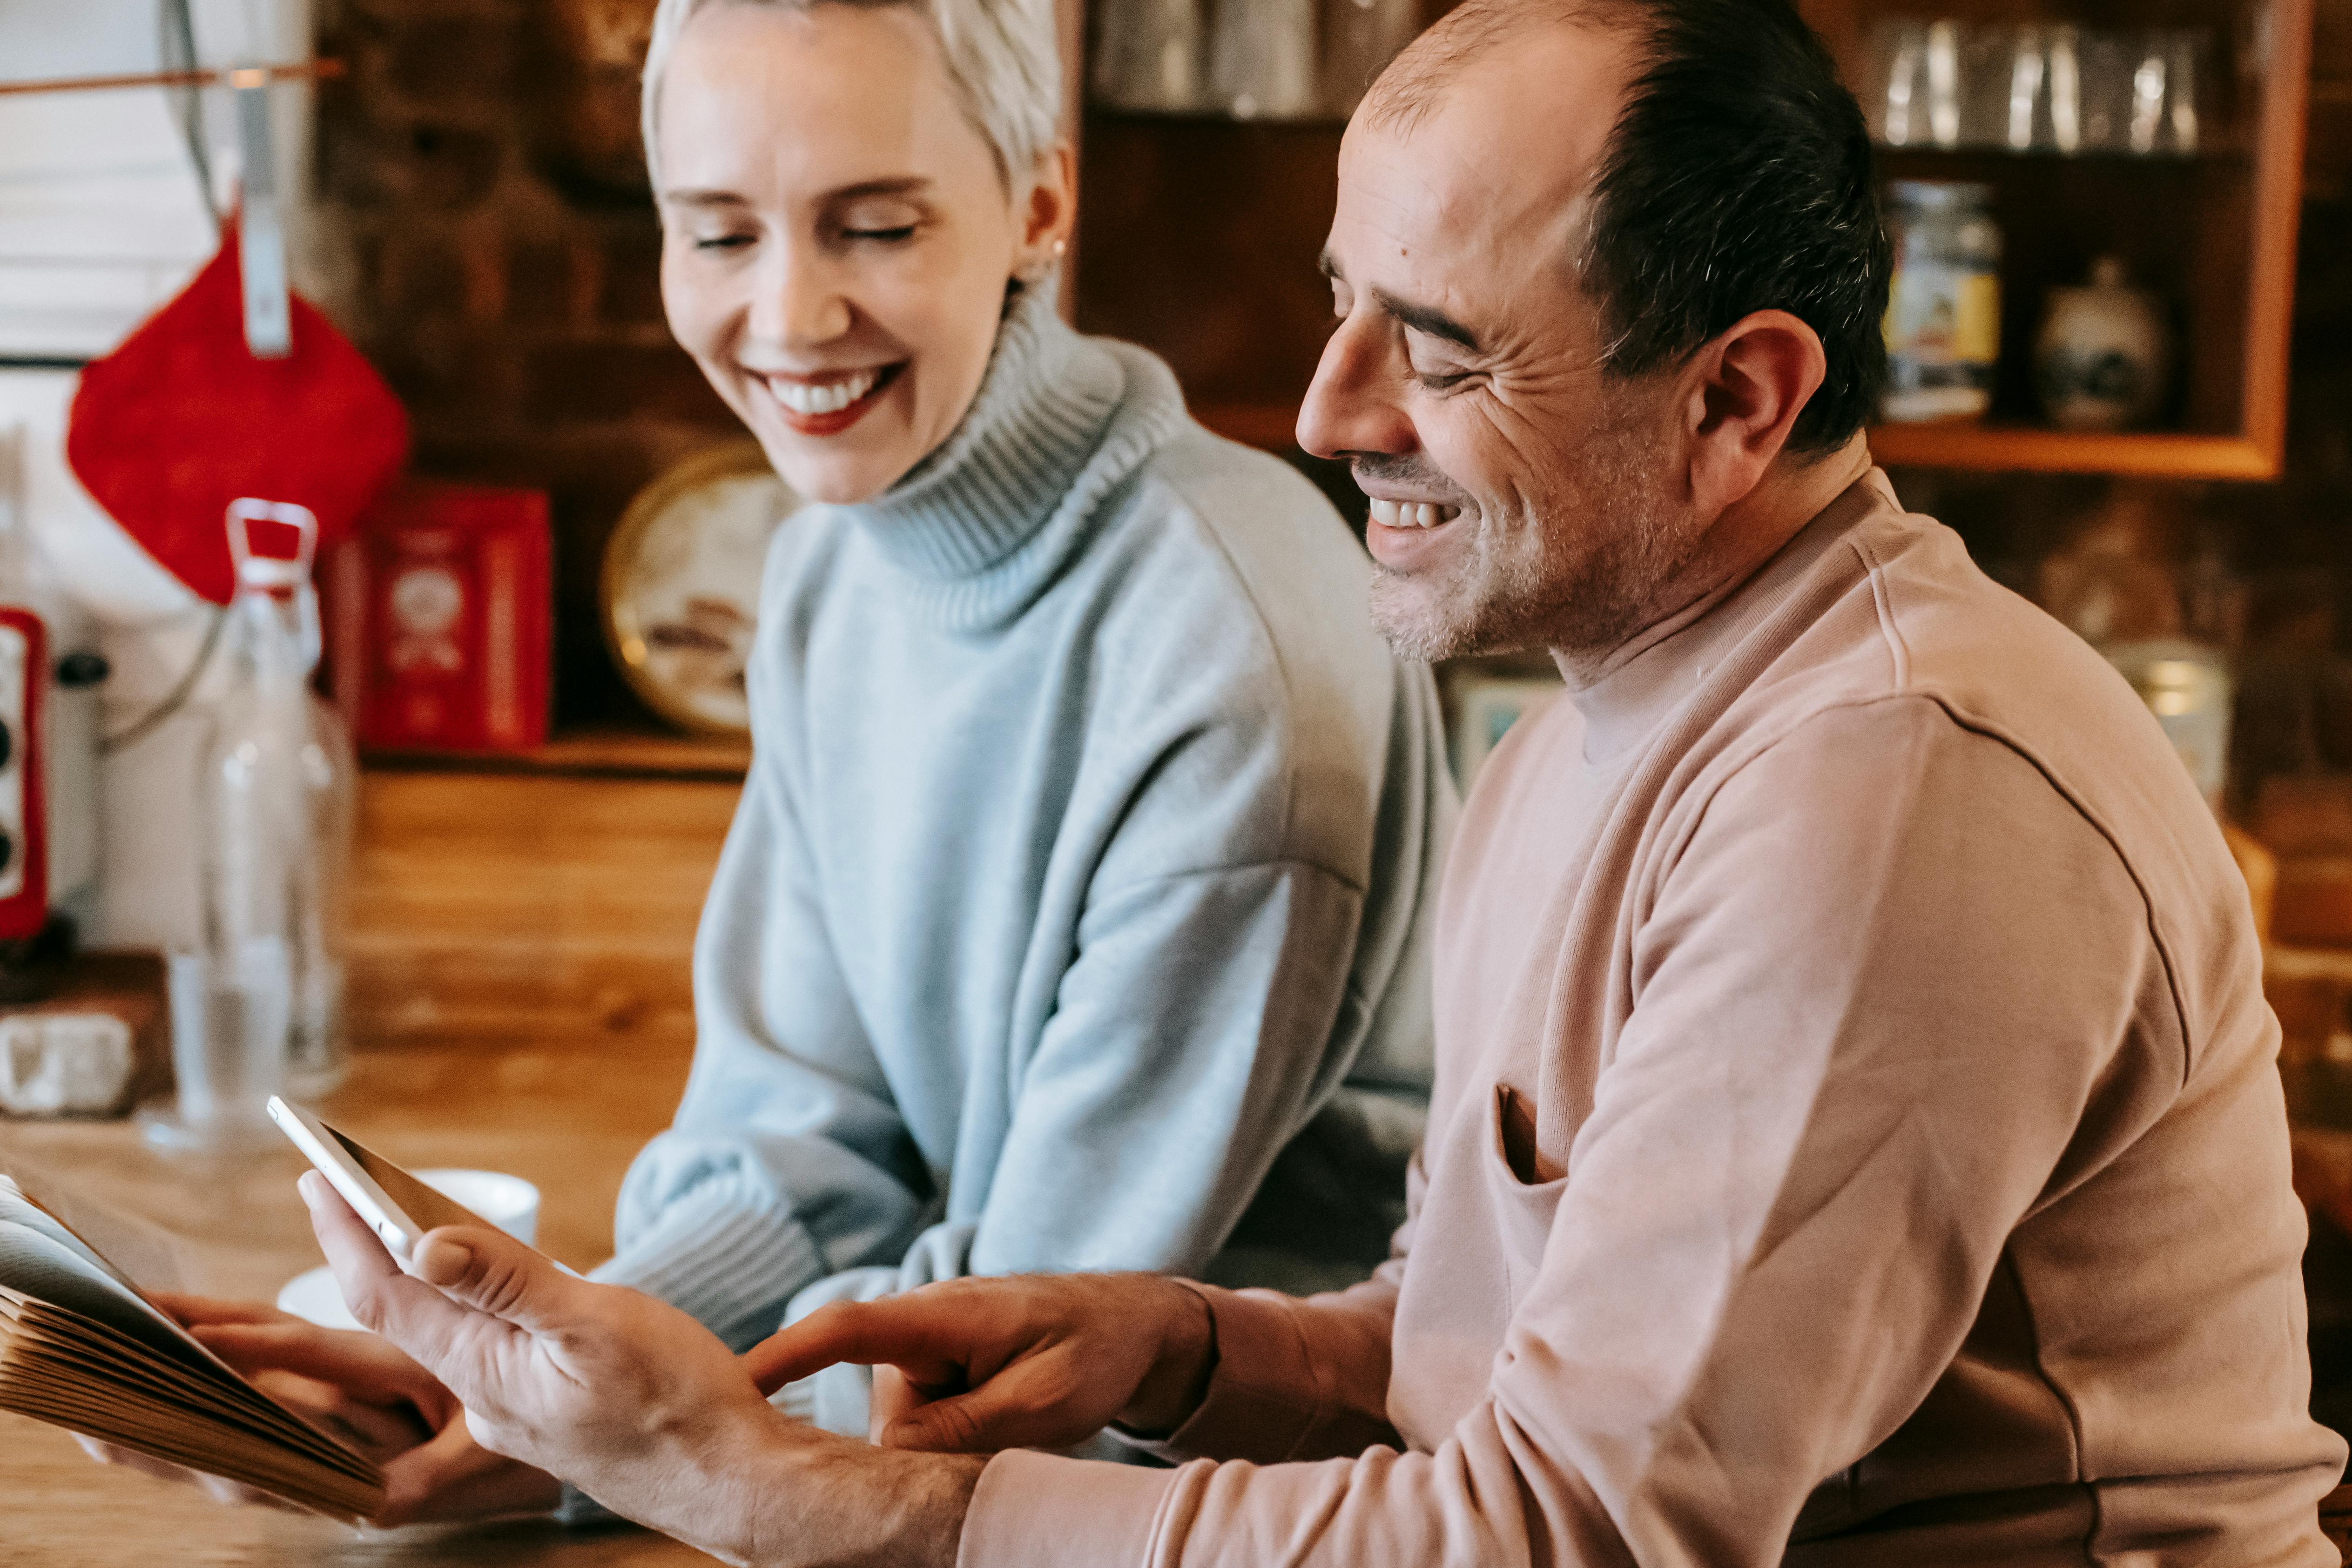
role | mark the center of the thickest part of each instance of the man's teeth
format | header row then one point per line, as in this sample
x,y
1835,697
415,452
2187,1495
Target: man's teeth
x,y
823,397
1412,514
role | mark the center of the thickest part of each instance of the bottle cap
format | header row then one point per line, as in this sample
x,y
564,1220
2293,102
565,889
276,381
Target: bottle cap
x,y
273,571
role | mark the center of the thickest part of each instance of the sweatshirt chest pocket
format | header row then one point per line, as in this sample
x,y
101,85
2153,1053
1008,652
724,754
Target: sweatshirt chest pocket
x,y
1522,1199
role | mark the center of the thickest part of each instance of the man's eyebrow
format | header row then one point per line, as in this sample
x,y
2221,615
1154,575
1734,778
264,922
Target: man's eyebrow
x,y
1426,318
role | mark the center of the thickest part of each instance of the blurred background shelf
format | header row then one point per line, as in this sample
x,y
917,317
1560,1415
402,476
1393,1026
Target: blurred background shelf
x,y
1175,207
2028,449
1273,426
605,750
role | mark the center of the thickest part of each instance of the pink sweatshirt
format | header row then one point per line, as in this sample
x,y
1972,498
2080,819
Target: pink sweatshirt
x,y
1856,1140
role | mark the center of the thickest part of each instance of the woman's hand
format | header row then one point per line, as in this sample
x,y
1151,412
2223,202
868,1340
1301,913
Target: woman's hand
x,y
366,1392
636,1403
1031,1362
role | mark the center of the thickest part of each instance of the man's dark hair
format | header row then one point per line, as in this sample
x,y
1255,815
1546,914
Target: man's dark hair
x,y
1738,178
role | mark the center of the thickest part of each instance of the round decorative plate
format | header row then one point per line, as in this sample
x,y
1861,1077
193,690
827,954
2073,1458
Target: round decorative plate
x,y
681,585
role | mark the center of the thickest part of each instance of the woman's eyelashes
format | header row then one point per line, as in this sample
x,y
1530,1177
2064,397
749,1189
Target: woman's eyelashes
x,y
870,220
845,234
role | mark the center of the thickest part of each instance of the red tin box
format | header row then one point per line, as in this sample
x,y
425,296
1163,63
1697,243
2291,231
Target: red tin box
x,y
438,608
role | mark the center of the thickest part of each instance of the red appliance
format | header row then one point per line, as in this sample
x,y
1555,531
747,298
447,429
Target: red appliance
x,y
439,620
23,829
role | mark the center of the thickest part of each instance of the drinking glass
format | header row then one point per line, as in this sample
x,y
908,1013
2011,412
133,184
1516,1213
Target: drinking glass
x,y
1147,54
228,1053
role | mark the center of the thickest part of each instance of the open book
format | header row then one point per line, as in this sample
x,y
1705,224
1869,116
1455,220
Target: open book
x,y
81,1348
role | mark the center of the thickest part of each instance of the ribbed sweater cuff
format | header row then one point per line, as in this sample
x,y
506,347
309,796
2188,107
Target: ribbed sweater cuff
x,y
730,1269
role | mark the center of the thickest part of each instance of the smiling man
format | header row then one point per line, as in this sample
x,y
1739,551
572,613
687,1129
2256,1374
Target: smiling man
x,y
1855,1139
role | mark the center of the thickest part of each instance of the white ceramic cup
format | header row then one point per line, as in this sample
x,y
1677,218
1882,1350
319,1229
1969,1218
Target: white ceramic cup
x,y
507,1201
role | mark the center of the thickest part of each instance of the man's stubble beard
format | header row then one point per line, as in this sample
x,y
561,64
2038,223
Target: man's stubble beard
x,y
1582,583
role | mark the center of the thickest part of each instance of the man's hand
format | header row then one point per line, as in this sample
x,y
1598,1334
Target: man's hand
x,y
366,1392
1040,1361
637,1404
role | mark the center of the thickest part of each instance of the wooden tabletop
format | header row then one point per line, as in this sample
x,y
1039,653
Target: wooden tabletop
x,y
568,1116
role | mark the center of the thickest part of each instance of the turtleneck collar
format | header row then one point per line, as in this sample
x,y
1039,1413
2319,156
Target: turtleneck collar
x,y
995,483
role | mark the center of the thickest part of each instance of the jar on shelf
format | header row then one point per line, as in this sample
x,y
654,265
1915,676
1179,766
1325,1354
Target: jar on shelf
x,y
1943,310
2103,358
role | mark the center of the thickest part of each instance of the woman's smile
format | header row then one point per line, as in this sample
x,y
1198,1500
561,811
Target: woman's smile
x,y
828,403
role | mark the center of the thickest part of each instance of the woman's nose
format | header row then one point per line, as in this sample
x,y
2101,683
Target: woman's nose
x,y
797,299
1350,406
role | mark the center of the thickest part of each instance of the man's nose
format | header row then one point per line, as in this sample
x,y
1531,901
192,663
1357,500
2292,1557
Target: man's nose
x,y
1351,405
797,299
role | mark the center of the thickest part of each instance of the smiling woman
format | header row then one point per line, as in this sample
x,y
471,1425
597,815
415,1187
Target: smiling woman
x,y
1073,914
838,230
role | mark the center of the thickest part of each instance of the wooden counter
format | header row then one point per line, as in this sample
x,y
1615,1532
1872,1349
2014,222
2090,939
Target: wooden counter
x,y
520,1002
567,1116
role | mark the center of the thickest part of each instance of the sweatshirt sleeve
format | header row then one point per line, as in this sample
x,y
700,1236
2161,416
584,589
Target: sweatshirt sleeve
x,y
787,1160
1298,1379
1892,993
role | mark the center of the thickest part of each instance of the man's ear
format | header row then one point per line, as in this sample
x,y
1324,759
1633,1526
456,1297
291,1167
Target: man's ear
x,y
1747,388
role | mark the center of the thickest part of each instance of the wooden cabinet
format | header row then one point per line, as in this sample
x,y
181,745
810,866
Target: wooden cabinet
x,y
1197,237
2213,232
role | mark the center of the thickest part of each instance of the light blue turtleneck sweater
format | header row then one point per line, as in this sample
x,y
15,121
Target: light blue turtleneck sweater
x,y
1079,891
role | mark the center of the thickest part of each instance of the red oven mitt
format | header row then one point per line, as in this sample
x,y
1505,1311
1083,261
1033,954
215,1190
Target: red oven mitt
x,y
180,420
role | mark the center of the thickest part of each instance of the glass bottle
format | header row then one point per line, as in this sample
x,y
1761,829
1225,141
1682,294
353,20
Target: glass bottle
x,y
1260,59
1943,309
1360,38
255,1009
1147,54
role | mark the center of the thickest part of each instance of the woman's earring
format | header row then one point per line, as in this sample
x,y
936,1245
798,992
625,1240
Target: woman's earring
x,y
1039,270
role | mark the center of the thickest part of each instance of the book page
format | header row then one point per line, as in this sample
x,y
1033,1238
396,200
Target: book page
x,y
82,1348
41,1258
134,1248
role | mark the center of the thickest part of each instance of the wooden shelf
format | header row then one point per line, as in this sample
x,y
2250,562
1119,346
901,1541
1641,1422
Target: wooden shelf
x,y
601,751
2024,449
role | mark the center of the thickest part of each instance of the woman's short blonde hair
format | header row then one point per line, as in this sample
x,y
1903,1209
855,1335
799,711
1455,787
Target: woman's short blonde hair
x,y
1001,55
